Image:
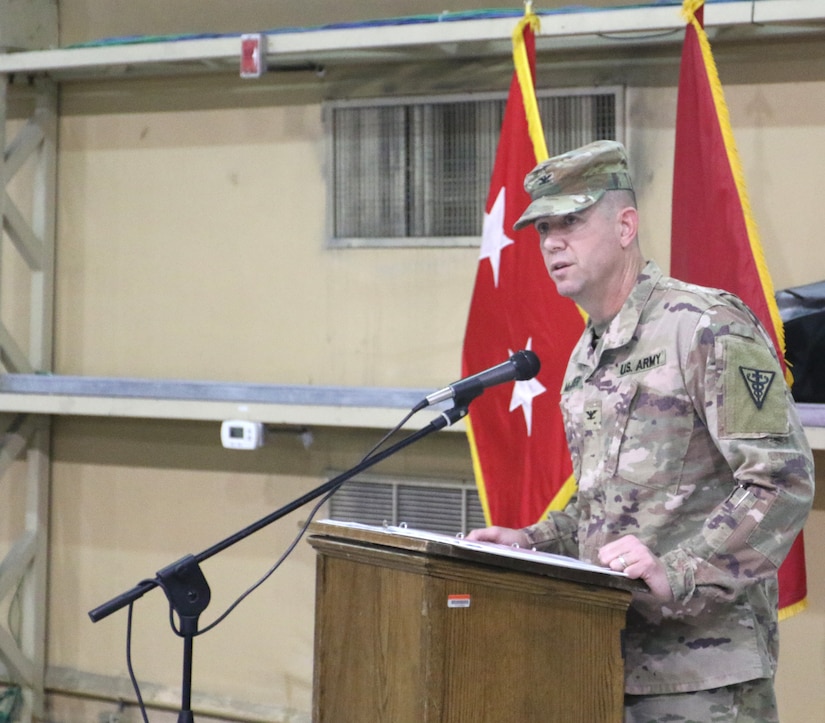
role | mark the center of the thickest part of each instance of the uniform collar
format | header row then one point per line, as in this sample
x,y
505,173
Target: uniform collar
x,y
622,327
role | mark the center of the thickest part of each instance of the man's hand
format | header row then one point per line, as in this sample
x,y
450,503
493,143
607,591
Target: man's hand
x,y
628,554
501,535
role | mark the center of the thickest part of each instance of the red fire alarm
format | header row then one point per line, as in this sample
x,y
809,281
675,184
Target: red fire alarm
x,y
253,55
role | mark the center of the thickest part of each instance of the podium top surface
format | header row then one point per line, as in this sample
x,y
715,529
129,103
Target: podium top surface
x,y
485,553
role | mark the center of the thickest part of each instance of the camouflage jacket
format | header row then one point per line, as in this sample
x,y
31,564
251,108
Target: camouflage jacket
x,y
683,432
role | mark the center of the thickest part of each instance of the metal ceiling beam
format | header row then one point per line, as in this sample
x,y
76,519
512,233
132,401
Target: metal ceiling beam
x,y
581,29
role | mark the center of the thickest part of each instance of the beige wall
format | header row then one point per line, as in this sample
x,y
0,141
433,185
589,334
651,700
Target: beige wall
x,y
220,215
191,244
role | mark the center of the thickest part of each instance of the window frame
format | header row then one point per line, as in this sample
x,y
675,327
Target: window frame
x,y
328,108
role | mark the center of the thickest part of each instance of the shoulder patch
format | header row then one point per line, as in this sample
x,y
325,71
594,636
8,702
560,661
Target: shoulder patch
x,y
752,401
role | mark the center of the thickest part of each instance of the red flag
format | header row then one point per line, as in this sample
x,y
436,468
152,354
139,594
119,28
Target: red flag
x,y
516,434
710,206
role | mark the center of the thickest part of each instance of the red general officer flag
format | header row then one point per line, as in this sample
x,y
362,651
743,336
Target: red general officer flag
x,y
520,457
711,208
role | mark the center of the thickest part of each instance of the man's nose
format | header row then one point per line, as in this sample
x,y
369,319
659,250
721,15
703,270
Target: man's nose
x,y
553,242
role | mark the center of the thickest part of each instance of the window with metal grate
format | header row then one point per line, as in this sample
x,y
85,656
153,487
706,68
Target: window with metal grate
x,y
416,171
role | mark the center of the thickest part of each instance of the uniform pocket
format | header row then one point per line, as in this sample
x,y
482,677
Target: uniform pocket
x,y
655,431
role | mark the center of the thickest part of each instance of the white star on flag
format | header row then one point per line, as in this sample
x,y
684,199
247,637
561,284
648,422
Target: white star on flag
x,y
523,394
493,238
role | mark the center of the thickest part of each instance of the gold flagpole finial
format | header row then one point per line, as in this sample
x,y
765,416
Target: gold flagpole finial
x,y
530,20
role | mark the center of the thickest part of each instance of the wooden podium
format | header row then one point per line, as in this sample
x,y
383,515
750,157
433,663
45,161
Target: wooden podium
x,y
419,628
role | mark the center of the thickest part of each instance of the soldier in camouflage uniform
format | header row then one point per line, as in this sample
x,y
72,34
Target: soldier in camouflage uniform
x,y
693,471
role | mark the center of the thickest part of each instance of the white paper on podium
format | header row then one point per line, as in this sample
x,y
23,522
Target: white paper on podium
x,y
492,548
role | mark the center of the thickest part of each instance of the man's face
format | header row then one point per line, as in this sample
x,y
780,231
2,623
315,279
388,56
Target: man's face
x,y
581,251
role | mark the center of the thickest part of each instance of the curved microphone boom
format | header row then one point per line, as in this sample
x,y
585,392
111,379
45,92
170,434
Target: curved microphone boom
x,y
520,366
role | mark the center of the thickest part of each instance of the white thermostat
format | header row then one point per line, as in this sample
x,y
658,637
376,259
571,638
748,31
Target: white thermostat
x,y
242,434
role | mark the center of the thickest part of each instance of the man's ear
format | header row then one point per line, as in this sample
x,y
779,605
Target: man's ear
x,y
628,220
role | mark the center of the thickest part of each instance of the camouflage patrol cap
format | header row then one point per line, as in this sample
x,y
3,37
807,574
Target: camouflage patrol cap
x,y
575,180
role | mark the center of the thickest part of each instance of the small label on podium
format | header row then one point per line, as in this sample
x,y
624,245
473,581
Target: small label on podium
x,y
458,601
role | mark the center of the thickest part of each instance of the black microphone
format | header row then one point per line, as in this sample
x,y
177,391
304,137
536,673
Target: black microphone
x,y
522,365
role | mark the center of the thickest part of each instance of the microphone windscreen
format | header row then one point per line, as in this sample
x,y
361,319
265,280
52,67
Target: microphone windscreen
x,y
527,364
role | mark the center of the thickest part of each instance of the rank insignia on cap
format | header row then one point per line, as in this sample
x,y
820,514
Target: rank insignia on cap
x,y
758,382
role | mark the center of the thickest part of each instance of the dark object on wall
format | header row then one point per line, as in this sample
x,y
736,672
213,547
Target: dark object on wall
x,y
802,309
